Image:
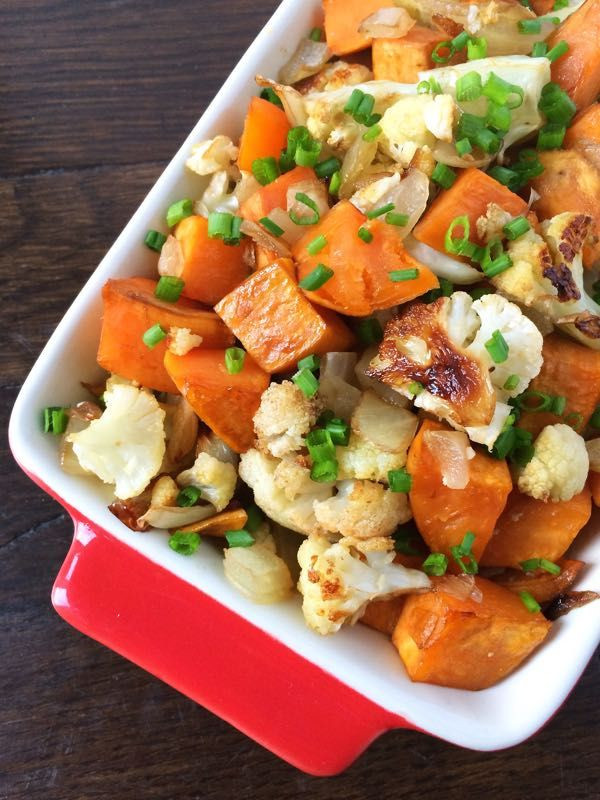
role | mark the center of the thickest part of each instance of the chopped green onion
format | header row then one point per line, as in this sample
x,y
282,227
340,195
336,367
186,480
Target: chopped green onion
x,y
503,175
184,542
574,419
558,406
311,362
265,170
498,117
365,234
595,418
497,347
271,226
435,564
55,419
379,212
360,107
526,3
222,225
307,153
468,87
316,34
188,497
463,551
515,444
335,183
325,417
539,50
516,228
353,103
241,538
372,133
477,48
339,431
400,275
301,149
556,105
306,382
528,26
511,383
320,445
178,211
234,360
540,563
445,290
155,240
255,518
325,169
498,265
530,603
454,245
154,336
469,125
557,51
415,388
271,96
369,331
400,220
309,203
503,93
463,146
317,278
423,87
324,471
460,42
436,53
487,140
532,400
558,4
443,175
551,136
317,245
479,292
169,288
399,480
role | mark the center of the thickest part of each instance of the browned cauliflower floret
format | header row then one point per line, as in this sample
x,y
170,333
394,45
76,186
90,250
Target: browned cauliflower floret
x,y
284,417
362,509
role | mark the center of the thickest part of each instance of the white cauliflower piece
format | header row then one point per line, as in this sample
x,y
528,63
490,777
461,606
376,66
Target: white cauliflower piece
x,y
127,444
440,115
547,275
490,224
362,460
212,156
442,347
363,510
336,75
258,471
293,478
182,340
283,419
218,196
215,479
559,467
336,583
404,130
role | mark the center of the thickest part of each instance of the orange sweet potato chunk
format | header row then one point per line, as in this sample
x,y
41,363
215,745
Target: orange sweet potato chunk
x,y
402,59
265,132
570,370
274,195
211,269
470,194
129,309
466,644
530,528
360,283
342,20
226,403
594,483
277,324
442,515
542,585
382,615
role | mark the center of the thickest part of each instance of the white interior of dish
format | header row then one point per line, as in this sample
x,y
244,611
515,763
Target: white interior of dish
x,y
363,659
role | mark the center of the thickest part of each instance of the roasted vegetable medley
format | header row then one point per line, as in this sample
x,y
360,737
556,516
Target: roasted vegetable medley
x,y
368,363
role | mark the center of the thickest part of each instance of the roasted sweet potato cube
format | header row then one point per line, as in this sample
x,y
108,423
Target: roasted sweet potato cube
x,y
594,483
342,20
530,528
382,615
543,586
402,59
466,643
226,403
442,515
130,308
276,324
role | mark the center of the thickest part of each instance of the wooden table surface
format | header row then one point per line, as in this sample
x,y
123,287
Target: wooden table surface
x,y
95,96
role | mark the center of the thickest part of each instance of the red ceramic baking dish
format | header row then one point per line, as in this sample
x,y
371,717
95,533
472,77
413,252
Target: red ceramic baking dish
x,y
315,701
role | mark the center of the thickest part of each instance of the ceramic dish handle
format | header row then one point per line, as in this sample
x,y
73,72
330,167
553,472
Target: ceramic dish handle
x,y
144,612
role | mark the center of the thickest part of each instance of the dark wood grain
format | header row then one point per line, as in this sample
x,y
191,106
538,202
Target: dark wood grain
x,y
94,98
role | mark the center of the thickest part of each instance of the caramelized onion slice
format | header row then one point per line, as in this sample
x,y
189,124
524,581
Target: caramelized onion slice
x,y
387,23
309,58
381,389
258,573
170,261
264,239
389,428
452,452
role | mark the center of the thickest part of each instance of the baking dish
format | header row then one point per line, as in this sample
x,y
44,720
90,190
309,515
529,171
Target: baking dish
x,y
317,702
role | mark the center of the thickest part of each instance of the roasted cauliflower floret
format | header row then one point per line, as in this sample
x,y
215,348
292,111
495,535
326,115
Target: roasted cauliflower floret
x,y
182,340
212,156
337,583
363,510
547,275
559,467
440,349
336,75
283,419
215,479
127,444
362,460
258,470
413,122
